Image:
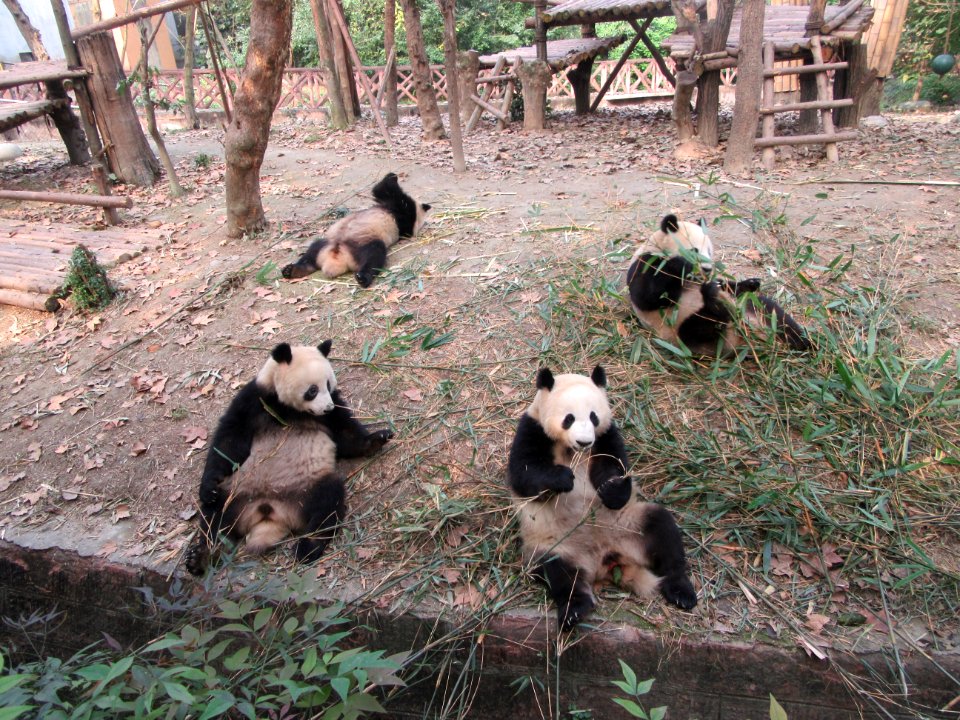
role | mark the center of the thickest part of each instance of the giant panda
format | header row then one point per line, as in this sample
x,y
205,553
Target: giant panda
x,y
271,468
359,241
579,517
672,294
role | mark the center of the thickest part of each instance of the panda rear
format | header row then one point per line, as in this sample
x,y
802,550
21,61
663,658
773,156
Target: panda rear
x,y
579,520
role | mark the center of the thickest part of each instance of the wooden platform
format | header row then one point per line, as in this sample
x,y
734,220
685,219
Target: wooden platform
x,y
561,54
14,113
784,25
37,72
34,258
578,12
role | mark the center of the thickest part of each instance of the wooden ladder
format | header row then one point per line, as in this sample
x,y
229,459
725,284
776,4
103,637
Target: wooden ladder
x,y
827,136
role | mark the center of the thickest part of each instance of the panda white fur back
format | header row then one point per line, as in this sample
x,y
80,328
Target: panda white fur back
x,y
673,295
271,468
578,515
359,242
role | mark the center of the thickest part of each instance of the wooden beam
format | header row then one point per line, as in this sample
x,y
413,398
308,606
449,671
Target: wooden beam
x,y
484,94
805,139
841,17
801,69
132,17
811,105
68,198
654,50
489,108
620,63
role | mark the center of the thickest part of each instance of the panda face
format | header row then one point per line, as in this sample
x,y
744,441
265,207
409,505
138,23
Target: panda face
x,y
572,409
678,237
422,210
301,376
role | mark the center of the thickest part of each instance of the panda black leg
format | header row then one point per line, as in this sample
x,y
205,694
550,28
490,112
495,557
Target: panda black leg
x,y
211,519
739,287
787,328
307,264
323,509
569,591
371,259
663,546
350,435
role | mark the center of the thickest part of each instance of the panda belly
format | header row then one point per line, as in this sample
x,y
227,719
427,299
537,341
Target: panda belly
x,y
267,493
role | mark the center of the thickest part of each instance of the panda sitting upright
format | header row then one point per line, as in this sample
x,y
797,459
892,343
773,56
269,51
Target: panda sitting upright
x,y
271,468
579,519
671,293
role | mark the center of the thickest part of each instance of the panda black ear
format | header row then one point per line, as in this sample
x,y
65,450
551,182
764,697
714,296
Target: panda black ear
x,y
669,224
424,206
545,379
324,347
282,353
599,376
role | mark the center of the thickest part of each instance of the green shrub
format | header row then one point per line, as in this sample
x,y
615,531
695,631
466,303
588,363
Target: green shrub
x,y
260,648
87,281
941,90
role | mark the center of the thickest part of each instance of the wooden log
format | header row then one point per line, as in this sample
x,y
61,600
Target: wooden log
x,y
488,107
811,105
823,92
496,78
507,100
468,67
15,278
28,300
767,124
841,17
800,69
121,20
484,94
110,201
100,178
686,82
653,49
805,139
616,69
535,78
719,64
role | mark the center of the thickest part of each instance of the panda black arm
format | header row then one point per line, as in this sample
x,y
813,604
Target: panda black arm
x,y
608,469
231,444
656,283
531,469
349,435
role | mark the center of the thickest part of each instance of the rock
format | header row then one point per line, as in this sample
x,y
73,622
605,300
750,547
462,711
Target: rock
x,y
874,121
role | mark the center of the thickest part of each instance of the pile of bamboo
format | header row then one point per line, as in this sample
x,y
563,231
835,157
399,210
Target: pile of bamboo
x,y
34,259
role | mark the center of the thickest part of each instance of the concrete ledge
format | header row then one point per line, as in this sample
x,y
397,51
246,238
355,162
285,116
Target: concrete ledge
x,y
695,678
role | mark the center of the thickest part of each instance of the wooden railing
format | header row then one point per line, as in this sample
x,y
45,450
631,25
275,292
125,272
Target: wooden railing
x,y
303,88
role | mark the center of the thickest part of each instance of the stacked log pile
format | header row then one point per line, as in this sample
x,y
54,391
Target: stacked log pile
x,y
34,259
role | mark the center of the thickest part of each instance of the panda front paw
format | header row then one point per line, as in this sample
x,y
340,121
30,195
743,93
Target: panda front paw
x,y
679,591
571,614
745,286
561,479
294,271
615,492
211,497
377,439
364,278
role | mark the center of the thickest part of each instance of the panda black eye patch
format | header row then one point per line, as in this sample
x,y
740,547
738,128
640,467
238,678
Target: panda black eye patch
x,y
594,419
568,421
311,393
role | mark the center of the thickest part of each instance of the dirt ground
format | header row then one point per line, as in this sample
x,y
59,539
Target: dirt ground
x,y
104,418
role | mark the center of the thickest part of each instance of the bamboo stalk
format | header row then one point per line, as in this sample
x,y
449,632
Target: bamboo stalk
x,y
68,198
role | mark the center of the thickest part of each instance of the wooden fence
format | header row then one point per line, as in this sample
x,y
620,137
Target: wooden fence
x,y
303,88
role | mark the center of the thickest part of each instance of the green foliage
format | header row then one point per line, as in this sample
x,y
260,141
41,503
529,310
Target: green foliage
x,y
635,689
201,161
87,281
938,90
660,29
260,648
776,711
931,27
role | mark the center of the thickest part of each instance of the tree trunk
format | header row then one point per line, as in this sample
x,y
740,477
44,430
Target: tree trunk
x,y
851,83
422,77
189,101
579,78
129,154
468,68
708,95
257,96
535,77
739,156
68,125
348,84
448,9
174,184
390,73
29,32
809,120
328,66
686,82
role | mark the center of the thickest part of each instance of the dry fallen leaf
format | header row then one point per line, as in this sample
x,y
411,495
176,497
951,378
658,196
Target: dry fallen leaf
x,y
413,394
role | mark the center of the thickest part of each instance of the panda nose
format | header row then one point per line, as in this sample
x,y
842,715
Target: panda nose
x,y
584,444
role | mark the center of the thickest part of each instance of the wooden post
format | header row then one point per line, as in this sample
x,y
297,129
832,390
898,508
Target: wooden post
x,y
448,9
390,72
686,82
850,83
769,89
535,78
468,68
189,60
540,31
348,84
68,125
739,154
823,91
339,118
579,77
504,118
131,158
217,70
809,120
708,94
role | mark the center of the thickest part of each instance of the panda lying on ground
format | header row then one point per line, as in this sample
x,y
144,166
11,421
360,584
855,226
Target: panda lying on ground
x,y
670,293
359,241
579,519
271,467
